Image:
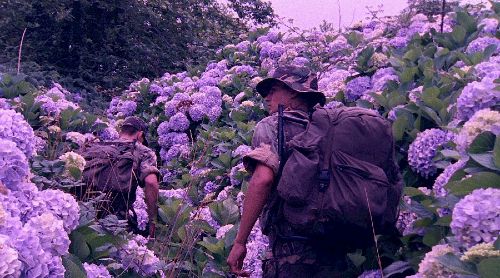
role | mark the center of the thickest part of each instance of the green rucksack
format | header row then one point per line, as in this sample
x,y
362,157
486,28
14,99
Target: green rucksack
x,y
112,167
338,177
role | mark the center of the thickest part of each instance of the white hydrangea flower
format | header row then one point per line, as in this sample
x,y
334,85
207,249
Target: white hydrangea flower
x,y
76,137
10,266
483,120
221,232
480,251
430,267
73,159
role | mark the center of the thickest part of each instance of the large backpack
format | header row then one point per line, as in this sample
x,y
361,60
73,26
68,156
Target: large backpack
x,y
112,168
340,179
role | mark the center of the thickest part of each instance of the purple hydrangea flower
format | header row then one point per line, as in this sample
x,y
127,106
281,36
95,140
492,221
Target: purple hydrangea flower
x,y
243,46
371,274
357,87
476,218
4,103
14,168
489,69
13,127
214,113
34,259
96,271
167,140
176,151
53,102
109,134
50,231
480,44
398,42
56,267
63,206
490,25
382,76
438,187
178,122
136,255
140,209
10,266
197,112
241,150
422,151
210,187
245,69
476,96
28,200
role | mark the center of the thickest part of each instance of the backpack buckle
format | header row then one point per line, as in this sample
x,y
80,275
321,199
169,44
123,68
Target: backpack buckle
x,y
324,180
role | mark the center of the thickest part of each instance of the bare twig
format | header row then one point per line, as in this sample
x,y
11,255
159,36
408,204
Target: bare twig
x,y
20,49
340,15
443,6
374,236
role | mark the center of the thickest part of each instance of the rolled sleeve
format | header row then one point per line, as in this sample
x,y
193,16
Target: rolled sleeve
x,y
262,154
148,165
264,143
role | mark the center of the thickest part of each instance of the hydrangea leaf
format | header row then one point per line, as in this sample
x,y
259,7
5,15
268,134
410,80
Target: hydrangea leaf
x,y
458,34
453,263
478,180
433,235
79,246
497,244
486,160
496,152
398,267
467,22
225,212
73,266
484,142
489,268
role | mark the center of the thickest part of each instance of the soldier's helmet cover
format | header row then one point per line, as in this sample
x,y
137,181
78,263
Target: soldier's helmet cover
x,y
299,79
138,124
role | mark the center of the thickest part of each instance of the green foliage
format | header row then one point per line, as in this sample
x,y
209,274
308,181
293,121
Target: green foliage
x,y
110,44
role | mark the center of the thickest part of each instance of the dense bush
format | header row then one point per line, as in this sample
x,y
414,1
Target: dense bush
x,y
440,91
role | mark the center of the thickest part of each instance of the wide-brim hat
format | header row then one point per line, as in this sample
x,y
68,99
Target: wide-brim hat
x,y
299,79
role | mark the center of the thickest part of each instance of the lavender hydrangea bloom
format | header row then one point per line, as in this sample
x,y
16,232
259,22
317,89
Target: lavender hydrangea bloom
x,y
476,96
197,112
241,150
56,267
438,187
490,25
135,254
52,104
34,259
382,76
333,82
476,218
176,151
256,246
140,209
178,122
480,44
50,231
430,267
14,166
96,271
245,69
4,103
234,176
10,266
489,69
371,274
210,187
357,87
175,194
13,127
214,113
398,42
204,213
422,151
109,134
29,202
63,206
167,140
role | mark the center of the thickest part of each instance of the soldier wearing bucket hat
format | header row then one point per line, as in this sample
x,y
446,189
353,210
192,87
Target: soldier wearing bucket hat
x,y
296,88
117,168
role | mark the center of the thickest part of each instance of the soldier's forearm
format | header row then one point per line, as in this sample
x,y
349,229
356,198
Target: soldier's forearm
x,y
151,196
255,198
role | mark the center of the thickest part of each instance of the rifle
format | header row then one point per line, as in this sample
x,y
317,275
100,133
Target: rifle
x,y
281,133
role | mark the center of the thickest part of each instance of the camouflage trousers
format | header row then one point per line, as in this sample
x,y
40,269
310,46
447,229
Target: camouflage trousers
x,y
302,259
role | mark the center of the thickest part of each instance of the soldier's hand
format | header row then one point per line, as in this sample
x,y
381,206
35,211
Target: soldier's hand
x,y
235,259
152,228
